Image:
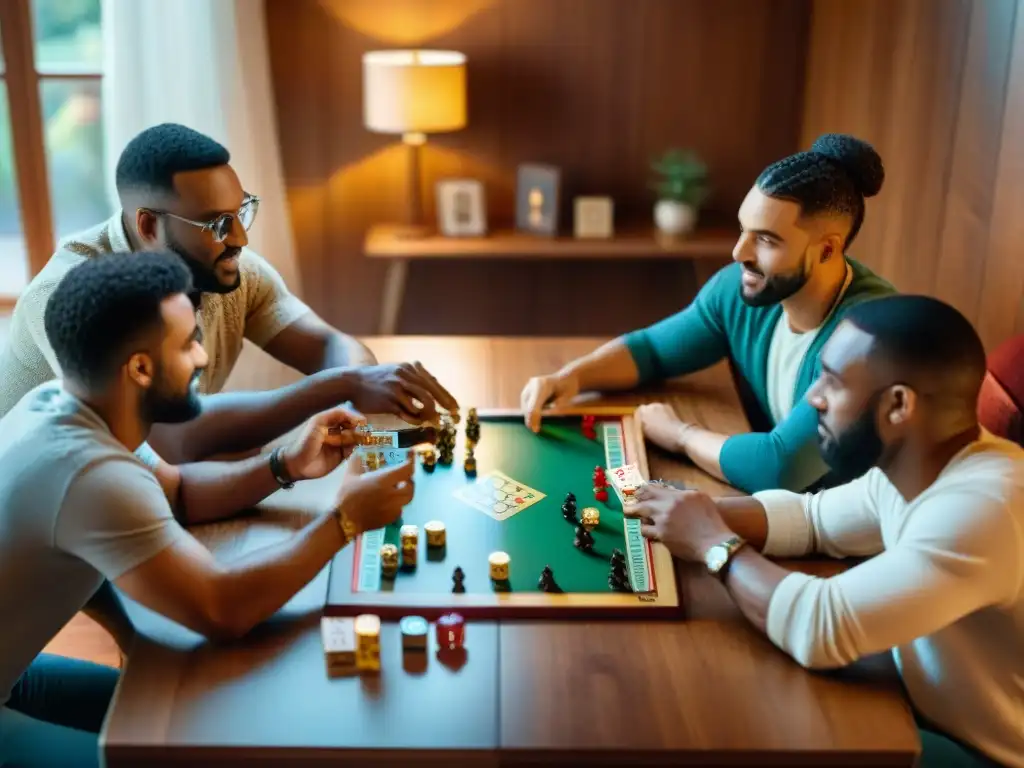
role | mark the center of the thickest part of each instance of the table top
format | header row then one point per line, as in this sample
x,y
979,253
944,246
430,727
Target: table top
x,y
707,689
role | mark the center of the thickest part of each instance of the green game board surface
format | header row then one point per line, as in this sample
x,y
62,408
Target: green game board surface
x,y
559,460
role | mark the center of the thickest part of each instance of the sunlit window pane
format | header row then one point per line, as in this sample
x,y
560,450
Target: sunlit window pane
x,y
73,124
13,255
67,35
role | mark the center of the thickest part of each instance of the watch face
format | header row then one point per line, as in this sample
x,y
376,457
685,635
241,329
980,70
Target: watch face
x,y
716,558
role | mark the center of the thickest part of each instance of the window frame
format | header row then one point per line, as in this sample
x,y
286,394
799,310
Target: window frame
x,y
28,140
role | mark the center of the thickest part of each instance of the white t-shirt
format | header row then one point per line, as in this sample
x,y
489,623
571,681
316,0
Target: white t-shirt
x,y
785,356
76,507
258,310
943,588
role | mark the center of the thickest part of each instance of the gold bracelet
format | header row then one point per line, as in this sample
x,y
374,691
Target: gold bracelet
x,y
348,529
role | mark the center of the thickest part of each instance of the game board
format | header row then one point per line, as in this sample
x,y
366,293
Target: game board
x,y
513,504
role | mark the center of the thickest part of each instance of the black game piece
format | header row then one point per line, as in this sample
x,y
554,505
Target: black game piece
x,y
618,576
570,498
618,556
546,583
569,507
584,539
457,578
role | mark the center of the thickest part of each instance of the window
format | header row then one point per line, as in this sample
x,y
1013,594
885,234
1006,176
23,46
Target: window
x,y
52,179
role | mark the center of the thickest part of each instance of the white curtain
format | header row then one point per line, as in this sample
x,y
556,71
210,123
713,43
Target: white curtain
x,y
204,64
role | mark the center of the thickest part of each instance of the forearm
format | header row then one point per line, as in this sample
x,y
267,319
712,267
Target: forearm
x,y
254,588
752,580
107,610
235,422
343,351
746,517
608,368
213,490
704,447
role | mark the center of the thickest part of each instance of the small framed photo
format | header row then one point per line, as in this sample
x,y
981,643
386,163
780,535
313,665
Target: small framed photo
x,y
461,211
537,190
593,217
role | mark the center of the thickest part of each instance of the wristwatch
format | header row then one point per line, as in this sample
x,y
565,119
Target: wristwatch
x,y
718,557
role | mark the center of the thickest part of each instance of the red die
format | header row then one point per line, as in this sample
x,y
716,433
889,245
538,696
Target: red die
x,y
451,631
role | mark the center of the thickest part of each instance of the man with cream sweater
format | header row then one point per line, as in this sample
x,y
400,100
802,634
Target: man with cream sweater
x,y
937,511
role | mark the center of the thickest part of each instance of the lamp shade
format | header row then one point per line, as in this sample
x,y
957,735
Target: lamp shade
x,y
414,91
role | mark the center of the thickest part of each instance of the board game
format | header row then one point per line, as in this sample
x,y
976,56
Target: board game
x,y
511,507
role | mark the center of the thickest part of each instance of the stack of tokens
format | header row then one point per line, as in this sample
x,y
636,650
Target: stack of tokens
x,y
414,633
451,632
410,535
367,631
435,533
339,640
499,562
388,560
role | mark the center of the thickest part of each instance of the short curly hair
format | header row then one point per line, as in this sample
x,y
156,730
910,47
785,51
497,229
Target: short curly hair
x,y
106,304
153,157
834,176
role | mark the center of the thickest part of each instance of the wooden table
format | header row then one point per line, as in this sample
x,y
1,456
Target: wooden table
x,y
388,242
708,690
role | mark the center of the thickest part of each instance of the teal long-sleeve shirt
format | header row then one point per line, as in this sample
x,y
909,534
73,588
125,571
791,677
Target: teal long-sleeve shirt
x,y
719,324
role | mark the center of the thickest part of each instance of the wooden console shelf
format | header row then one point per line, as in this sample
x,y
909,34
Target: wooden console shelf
x,y
385,242
388,242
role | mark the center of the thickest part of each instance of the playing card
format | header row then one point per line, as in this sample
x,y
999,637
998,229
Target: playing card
x,y
498,495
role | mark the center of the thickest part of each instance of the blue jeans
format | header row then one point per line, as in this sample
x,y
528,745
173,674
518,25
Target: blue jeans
x,y
55,713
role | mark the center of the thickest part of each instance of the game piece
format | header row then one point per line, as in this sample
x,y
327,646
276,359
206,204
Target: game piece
x,y
388,560
590,518
339,640
451,631
618,576
470,464
370,461
414,633
584,540
499,563
457,578
569,512
367,629
546,583
600,479
601,494
435,533
409,535
472,426
429,459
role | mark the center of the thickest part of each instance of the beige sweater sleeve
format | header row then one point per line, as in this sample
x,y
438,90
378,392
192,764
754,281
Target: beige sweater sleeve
x,y
957,553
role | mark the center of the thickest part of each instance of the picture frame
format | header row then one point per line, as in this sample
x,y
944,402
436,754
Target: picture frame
x,y
593,217
537,198
461,208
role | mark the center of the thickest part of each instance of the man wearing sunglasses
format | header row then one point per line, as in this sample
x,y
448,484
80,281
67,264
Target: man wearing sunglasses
x,y
178,192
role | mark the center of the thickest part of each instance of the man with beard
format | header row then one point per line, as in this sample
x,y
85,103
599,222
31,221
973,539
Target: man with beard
x,y
769,313
178,191
79,510
938,510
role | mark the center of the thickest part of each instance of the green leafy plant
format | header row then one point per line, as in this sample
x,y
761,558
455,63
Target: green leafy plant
x,y
681,176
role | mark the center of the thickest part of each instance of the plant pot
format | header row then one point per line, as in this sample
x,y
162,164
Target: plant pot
x,y
674,218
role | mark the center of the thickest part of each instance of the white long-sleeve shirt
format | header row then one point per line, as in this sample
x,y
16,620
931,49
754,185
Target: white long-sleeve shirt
x,y
944,588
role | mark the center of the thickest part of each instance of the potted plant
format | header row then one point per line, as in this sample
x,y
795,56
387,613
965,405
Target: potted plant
x,y
681,184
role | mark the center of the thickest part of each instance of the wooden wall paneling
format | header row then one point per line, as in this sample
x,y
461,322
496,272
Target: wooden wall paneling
x,y
1001,304
597,87
936,86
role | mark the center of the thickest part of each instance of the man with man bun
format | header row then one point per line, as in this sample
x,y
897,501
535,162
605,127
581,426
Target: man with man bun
x,y
769,313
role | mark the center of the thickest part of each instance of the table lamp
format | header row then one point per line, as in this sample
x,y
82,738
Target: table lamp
x,y
413,93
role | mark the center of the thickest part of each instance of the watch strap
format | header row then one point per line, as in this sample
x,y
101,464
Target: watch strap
x,y
278,470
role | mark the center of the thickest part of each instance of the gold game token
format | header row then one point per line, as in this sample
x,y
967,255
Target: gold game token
x,y
435,533
590,517
367,642
499,562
